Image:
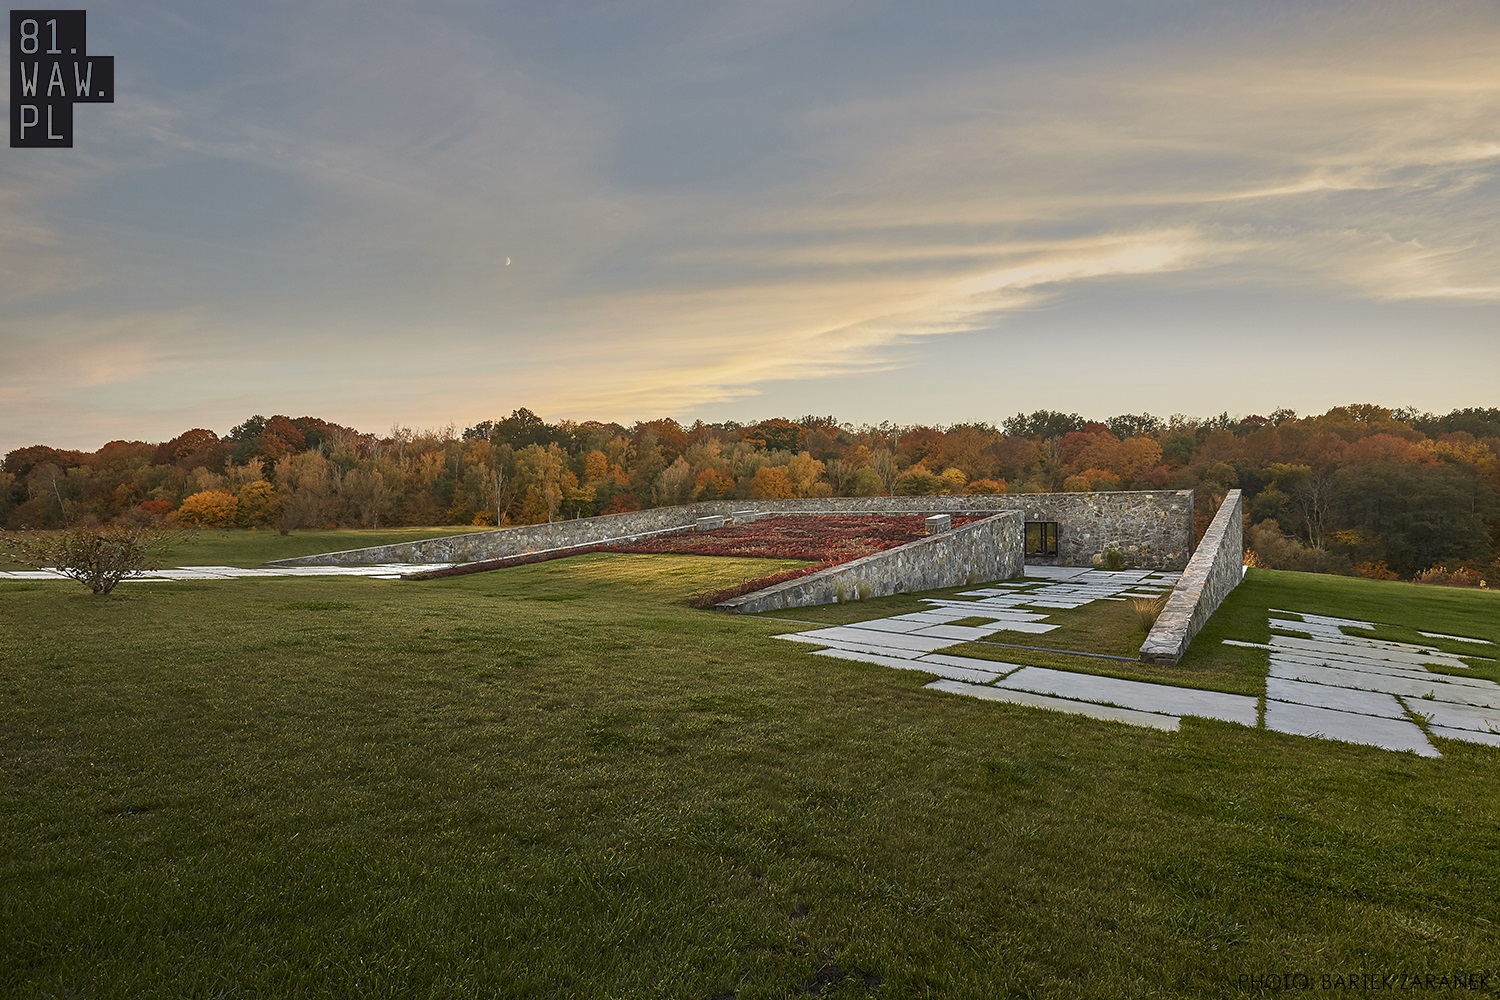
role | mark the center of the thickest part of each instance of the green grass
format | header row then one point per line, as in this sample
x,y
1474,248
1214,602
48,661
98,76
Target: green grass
x,y
244,547
556,780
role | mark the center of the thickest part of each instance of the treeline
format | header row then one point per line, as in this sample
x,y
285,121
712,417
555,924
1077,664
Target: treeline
x,y
1357,489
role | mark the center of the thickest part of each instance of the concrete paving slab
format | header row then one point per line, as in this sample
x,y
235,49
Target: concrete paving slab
x,y
1403,686
1344,699
1055,572
1412,655
1454,716
895,640
982,609
1378,669
958,633
1347,727
1467,735
970,662
936,669
1455,638
891,625
1138,695
859,647
1168,723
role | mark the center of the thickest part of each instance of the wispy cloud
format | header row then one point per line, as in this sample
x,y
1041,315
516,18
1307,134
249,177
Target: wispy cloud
x,y
344,201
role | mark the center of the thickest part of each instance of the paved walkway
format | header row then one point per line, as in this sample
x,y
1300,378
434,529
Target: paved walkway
x,y
1322,682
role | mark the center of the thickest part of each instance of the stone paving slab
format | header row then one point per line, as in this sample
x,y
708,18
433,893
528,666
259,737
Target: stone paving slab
x,y
892,625
1325,620
1027,628
1138,695
896,640
963,633
1055,572
1374,666
937,669
1416,656
980,609
1406,687
971,662
1169,723
1344,699
1455,638
1322,681
1467,735
873,646
1454,716
1347,727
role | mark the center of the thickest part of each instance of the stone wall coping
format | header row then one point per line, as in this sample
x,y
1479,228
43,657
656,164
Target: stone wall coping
x,y
1219,558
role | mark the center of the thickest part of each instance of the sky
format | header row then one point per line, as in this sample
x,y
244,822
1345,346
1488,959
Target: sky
x,y
384,213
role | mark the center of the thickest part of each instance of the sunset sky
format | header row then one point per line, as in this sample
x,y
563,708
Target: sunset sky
x,y
932,213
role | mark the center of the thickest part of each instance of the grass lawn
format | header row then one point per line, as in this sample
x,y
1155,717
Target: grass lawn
x,y
557,780
244,547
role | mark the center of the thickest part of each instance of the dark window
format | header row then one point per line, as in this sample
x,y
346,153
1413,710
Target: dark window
x,y
1041,538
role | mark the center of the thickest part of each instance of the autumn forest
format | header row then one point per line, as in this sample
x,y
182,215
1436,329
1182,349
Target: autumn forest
x,y
1360,489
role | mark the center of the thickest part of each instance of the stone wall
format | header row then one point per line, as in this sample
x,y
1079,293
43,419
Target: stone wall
x,y
1152,529
500,542
976,553
1215,569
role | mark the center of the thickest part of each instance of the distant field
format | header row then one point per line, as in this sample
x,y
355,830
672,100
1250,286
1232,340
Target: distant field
x,y
557,780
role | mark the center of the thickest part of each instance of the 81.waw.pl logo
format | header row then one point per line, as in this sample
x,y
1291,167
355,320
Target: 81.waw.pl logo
x,y
50,71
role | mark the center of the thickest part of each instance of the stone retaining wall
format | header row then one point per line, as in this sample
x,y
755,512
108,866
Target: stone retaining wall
x,y
1152,529
1215,569
976,553
499,542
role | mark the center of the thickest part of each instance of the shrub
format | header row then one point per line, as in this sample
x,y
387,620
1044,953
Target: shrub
x,y
1442,576
919,481
1113,559
1147,609
209,509
1274,550
1376,570
98,558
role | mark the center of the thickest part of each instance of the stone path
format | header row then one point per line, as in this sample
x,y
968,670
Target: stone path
x,y
1321,683
386,571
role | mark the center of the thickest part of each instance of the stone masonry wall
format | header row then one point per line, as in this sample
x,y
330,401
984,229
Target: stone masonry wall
x,y
514,541
980,552
1215,569
1153,529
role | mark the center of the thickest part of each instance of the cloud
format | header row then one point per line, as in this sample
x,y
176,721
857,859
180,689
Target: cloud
x,y
327,220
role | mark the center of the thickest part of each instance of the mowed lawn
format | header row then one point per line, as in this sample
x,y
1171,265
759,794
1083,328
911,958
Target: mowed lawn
x,y
558,781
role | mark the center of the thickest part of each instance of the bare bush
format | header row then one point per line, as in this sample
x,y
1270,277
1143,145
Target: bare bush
x,y
98,558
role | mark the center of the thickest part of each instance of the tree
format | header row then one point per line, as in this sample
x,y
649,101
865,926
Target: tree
x,y
257,504
98,558
771,482
209,509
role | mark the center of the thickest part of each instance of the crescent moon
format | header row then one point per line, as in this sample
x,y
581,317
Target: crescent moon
x,y
507,262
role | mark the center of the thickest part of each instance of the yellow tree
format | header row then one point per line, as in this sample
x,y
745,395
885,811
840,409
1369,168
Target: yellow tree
x,y
209,509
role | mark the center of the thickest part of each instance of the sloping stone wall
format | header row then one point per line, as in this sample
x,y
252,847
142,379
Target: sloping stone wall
x,y
1152,529
499,542
980,552
1215,569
